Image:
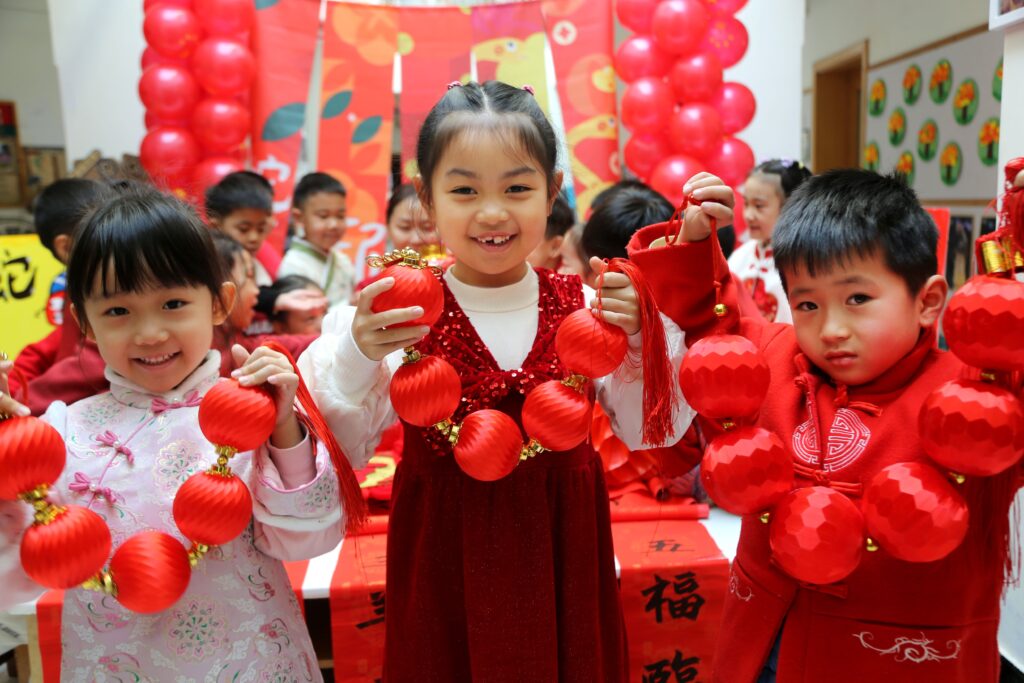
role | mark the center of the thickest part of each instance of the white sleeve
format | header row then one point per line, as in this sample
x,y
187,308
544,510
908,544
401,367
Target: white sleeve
x,y
622,393
350,389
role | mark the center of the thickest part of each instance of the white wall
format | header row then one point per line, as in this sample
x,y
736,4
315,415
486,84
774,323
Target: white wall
x,y
27,73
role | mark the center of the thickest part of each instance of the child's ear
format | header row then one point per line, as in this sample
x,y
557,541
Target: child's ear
x,y
215,223
554,189
297,221
423,195
932,299
62,248
82,323
224,302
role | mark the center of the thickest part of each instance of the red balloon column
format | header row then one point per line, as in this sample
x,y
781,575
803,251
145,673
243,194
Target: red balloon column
x,y
681,113
197,72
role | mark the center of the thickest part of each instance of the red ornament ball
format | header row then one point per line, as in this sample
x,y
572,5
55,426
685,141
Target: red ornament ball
x,y
732,161
489,445
212,508
223,66
670,175
972,427
589,346
724,376
647,105
151,572
414,286
225,17
240,417
169,153
211,170
679,25
746,471
32,453
636,15
984,323
220,123
643,152
557,416
736,105
638,57
695,130
426,392
914,512
817,535
727,38
168,91
696,78
171,31
67,551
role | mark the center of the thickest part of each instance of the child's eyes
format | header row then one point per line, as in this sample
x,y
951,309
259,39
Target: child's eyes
x,y
806,306
519,188
858,299
115,311
463,190
175,304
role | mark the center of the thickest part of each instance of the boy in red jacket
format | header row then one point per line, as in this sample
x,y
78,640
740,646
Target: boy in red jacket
x,y
857,257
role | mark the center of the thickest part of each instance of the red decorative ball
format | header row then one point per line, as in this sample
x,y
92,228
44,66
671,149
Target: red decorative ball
x,y
639,57
171,31
211,170
726,38
817,535
972,427
225,17
914,512
212,508
67,551
695,130
747,470
724,376
984,323
223,66
696,78
725,6
489,445
168,91
671,174
236,416
151,572
220,124
557,416
169,154
643,152
736,105
679,25
426,392
647,105
31,453
732,161
413,287
636,15
589,346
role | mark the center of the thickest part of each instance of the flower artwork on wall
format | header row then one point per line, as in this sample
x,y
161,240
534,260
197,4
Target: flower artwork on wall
x,y
876,101
905,167
988,141
965,102
940,83
871,160
950,164
897,126
912,84
928,140
997,82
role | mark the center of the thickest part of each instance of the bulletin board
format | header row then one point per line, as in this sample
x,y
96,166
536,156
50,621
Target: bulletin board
x,y
12,160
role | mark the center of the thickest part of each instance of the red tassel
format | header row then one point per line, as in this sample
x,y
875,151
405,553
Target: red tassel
x,y
350,493
660,401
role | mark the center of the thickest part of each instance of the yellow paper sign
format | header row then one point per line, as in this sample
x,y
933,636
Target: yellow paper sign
x,y
28,272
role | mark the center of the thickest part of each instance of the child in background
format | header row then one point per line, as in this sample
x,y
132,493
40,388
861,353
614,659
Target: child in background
x,y
573,262
856,253
409,225
765,192
297,322
548,253
145,283
510,580
318,213
242,205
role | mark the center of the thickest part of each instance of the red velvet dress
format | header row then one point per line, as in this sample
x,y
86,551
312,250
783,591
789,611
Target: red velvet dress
x,y
511,580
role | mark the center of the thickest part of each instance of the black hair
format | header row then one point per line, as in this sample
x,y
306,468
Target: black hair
x,y
561,219
620,214
315,183
142,238
228,250
605,194
791,173
290,283
239,190
502,108
62,204
845,213
402,193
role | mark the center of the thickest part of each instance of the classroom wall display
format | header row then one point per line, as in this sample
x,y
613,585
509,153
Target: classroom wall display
x,y
934,117
31,291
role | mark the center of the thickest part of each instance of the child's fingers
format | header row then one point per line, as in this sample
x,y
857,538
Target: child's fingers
x,y
627,322
614,281
8,406
722,194
598,265
722,214
702,179
396,335
614,305
395,316
239,355
371,290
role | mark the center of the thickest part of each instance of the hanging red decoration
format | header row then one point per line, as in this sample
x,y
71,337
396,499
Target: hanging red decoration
x,y
225,17
643,152
727,39
984,323
816,535
636,15
747,470
212,507
671,174
149,572
724,377
695,130
972,427
736,106
171,31
638,57
65,546
236,418
647,105
20,475
169,155
416,284
679,25
914,513
558,415
696,78
425,391
168,91
732,161
210,170
220,124
223,66
589,346
488,445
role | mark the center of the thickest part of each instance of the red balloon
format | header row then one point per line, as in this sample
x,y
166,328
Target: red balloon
x,y
168,91
725,6
220,124
679,25
727,38
151,57
169,153
209,171
414,286
736,105
696,78
237,417
817,535
695,130
636,14
669,176
157,122
589,346
732,161
643,152
223,66
747,470
489,445
984,323
647,106
638,57
225,17
149,4
426,392
171,31
724,376
739,224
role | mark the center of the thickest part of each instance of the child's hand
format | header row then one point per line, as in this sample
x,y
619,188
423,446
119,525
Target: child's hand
x,y
8,406
301,301
271,367
615,302
718,200
374,333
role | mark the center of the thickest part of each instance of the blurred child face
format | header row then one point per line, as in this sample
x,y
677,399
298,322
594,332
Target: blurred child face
x,y
410,226
322,219
300,322
243,274
548,254
858,320
490,205
572,259
762,196
249,227
157,337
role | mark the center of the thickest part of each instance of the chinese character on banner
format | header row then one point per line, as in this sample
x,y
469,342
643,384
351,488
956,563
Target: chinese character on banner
x,y
678,670
686,606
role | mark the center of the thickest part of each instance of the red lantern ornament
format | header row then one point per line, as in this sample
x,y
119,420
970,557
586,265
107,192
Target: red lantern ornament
x,y
65,546
589,346
696,130
636,15
647,106
236,418
736,105
671,174
171,31
220,124
984,323
724,377
557,415
972,427
169,155
679,25
425,391
168,91
817,535
21,473
225,17
211,170
747,470
696,78
150,572
416,284
727,39
914,512
639,57
488,445
223,67
732,161
212,508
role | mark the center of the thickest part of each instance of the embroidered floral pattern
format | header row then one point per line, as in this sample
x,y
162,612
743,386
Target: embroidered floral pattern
x,y
273,638
104,614
319,495
913,650
743,593
279,671
175,463
197,630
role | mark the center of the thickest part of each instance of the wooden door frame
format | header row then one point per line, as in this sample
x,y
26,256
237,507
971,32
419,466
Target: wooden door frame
x,y
857,53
